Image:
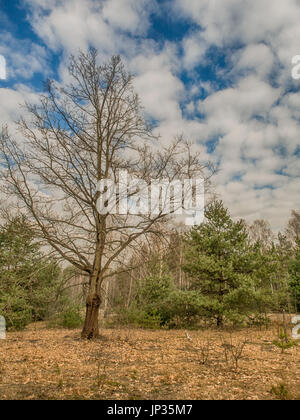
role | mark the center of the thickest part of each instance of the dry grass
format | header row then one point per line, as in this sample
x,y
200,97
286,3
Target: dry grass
x,y
137,364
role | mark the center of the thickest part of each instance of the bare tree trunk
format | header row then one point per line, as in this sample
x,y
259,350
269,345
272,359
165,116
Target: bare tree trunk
x,y
219,321
91,324
180,265
106,297
130,288
284,326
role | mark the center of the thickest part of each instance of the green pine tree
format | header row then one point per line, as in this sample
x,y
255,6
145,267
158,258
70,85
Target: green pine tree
x,y
224,267
28,280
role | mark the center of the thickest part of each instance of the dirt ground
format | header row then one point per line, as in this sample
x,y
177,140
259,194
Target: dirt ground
x,y
137,364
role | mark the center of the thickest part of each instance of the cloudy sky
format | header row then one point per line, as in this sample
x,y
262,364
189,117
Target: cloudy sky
x,y
220,72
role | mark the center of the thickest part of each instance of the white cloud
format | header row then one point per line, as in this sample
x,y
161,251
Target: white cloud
x,y
247,23
128,15
75,24
234,105
256,58
194,48
11,101
23,57
158,86
257,124
70,24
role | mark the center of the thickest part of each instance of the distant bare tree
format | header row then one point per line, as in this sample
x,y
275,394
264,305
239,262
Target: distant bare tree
x,y
78,135
260,231
293,228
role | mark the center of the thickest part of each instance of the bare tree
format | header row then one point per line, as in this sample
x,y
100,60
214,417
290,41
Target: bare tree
x,y
260,231
78,135
293,227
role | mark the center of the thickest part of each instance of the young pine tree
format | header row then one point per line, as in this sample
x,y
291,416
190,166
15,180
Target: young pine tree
x,y
222,265
28,280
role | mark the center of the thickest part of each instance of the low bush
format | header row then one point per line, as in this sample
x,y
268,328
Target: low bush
x,y
136,317
70,318
15,309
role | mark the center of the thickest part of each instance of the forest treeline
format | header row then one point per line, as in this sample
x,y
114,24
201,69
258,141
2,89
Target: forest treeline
x,y
223,272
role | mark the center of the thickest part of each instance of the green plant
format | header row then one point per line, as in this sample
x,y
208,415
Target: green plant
x,y
230,273
283,342
281,391
134,316
181,309
28,280
15,308
70,318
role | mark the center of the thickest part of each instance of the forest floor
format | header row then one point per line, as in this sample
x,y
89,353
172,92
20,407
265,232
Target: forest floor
x,y
134,364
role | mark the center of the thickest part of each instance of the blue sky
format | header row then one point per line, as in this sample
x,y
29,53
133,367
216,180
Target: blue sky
x,y
218,72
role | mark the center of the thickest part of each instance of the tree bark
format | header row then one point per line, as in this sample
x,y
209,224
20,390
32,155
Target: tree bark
x,y
219,321
91,324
